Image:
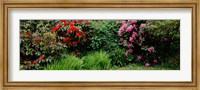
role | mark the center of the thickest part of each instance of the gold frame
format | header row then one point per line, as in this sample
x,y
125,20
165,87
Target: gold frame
x,y
194,4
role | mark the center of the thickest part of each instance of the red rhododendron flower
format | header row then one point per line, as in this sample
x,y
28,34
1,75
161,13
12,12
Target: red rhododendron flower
x,y
69,31
54,28
86,22
59,25
83,35
36,38
71,24
77,34
66,39
76,29
74,21
69,43
64,21
34,61
74,42
71,28
80,21
27,33
41,57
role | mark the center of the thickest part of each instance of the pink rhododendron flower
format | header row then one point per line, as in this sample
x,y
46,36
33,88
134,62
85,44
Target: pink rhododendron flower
x,y
139,57
121,28
130,50
124,25
121,39
134,35
130,45
131,39
123,21
119,33
140,38
147,65
117,22
155,61
133,21
151,49
129,29
125,41
143,25
126,54
142,31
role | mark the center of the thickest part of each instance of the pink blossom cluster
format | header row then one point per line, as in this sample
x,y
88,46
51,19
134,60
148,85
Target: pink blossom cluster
x,y
139,57
126,27
130,35
150,49
142,25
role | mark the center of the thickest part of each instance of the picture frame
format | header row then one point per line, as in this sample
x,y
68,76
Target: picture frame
x,y
7,4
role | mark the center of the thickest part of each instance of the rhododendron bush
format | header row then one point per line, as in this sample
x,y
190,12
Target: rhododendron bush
x,y
147,41
123,42
41,41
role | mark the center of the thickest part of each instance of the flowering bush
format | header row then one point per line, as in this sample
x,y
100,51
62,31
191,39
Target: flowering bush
x,y
73,34
42,41
165,35
143,40
37,43
132,34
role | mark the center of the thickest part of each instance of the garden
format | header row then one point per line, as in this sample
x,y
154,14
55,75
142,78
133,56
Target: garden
x,y
100,44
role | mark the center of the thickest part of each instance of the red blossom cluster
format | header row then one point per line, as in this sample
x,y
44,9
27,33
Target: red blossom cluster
x,y
72,37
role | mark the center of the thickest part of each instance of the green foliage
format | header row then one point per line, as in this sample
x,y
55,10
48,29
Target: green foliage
x,y
164,35
118,57
71,62
104,35
97,61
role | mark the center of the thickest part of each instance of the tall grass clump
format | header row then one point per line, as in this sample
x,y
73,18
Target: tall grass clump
x,y
98,60
70,62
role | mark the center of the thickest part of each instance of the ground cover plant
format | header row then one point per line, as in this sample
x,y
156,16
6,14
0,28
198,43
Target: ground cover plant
x,y
100,44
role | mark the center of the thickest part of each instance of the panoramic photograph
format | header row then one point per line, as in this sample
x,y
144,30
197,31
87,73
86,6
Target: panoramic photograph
x,y
130,44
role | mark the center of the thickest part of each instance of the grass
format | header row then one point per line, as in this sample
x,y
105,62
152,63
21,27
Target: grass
x,y
140,67
71,62
97,61
92,61
169,63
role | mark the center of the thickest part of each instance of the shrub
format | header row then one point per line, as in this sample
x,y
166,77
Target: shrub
x,y
105,35
71,62
166,36
75,34
144,39
37,43
43,40
118,57
97,61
